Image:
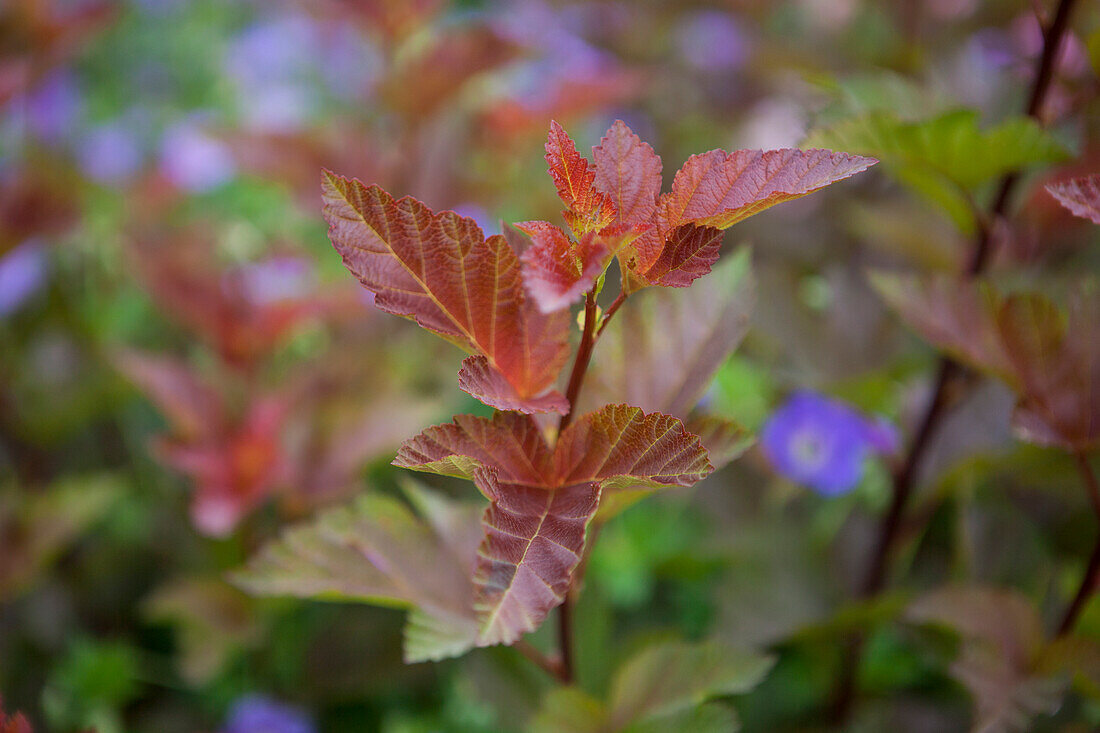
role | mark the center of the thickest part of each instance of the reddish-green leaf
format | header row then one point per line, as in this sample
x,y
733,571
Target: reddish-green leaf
x,y
955,316
192,406
719,189
439,270
1056,358
375,550
557,270
587,209
1080,195
478,378
542,498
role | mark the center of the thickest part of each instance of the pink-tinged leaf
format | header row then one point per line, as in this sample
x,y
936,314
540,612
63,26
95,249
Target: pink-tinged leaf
x,y
688,254
192,407
533,542
439,270
1057,359
587,209
719,189
478,378
724,439
629,172
14,723
542,499
1080,195
957,317
621,446
556,270
376,551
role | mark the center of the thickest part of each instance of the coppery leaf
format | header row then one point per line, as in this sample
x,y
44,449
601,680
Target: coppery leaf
x,y
587,209
1080,195
542,498
191,406
719,189
439,270
629,171
557,270
478,378
688,254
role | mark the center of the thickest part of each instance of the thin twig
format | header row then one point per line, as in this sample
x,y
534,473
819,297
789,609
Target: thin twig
x,y
551,665
580,364
1092,572
611,310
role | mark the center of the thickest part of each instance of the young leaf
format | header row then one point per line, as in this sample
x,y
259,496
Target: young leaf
x,y
376,551
440,271
557,270
1080,195
718,189
688,254
629,172
587,209
542,498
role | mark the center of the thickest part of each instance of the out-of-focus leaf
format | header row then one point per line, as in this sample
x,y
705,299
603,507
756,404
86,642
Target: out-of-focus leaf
x,y
37,526
569,709
557,270
376,551
952,145
542,499
15,723
958,317
587,210
191,406
671,677
1057,360
430,76
944,158
664,687
213,620
663,349
1077,658
724,439
1080,195
440,270
998,662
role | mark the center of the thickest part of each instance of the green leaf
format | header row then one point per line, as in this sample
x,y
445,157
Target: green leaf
x,y
376,551
674,677
569,709
944,158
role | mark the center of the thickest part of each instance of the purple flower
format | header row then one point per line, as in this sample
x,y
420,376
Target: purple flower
x,y
52,107
272,63
822,443
259,714
110,154
195,161
712,41
22,273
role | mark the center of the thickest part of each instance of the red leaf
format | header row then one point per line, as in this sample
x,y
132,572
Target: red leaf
x,y
557,270
439,270
1057,360
542,499
688,254
13,724
192,406
629,172
719,189
478,378
587,209
1080,195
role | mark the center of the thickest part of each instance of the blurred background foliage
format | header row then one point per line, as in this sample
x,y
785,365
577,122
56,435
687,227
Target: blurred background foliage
x,y
185,367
